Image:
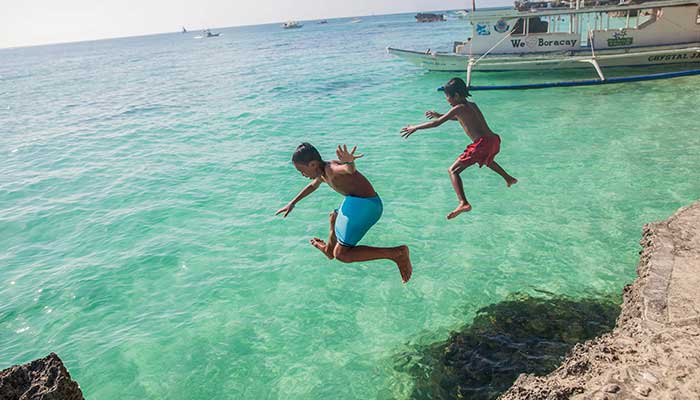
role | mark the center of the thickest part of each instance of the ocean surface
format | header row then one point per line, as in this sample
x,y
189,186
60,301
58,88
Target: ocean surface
x,y
139,179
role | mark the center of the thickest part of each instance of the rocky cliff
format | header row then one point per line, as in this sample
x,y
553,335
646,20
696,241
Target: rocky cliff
x,y
654,350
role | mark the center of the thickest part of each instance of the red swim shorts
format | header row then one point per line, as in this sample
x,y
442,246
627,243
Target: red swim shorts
x,y
483,151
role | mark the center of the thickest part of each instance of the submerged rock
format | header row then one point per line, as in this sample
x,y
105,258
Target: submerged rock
x,y
521,334
42,379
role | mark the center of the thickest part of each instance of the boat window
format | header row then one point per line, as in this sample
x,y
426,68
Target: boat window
x,y
537,25
519,28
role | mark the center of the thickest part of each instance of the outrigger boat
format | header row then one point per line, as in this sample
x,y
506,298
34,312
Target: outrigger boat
x,y
623,35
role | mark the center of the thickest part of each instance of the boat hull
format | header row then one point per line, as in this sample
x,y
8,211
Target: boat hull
x,y
658,55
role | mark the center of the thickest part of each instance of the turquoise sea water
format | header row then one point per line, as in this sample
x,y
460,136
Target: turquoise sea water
x,y
139,179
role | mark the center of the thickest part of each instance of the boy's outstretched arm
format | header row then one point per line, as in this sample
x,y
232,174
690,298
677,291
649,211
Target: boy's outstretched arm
x,y
435,114
346,159
304,192
408,130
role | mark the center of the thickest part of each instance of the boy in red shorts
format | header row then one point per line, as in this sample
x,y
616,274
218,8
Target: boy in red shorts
x,y
484,148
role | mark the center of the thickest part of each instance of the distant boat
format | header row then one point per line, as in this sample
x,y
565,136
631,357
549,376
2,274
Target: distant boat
x,y
184,30
461,14
291,25
207,34
355,20
428,17
323,22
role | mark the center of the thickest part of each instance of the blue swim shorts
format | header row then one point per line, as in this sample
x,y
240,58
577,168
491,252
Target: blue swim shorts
x,y
355,216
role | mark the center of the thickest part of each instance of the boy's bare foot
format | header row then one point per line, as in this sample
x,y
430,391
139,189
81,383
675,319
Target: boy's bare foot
x,y
463,207
321,245
510,182
403,261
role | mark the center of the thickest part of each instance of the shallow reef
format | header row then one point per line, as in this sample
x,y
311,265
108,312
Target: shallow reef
x,y
522,334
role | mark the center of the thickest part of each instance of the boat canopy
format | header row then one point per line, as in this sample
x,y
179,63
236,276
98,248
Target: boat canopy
x,y
498,14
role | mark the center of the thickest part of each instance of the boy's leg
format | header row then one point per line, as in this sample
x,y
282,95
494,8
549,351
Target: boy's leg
x,y
399,255
327,248
500,171
454,171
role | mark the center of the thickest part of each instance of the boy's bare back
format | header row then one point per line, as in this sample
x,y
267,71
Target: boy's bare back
x,y
353,184
486,144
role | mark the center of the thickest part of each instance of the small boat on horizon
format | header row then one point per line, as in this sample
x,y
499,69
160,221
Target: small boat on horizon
x,y
291,25
356,20
461,14
207,34
429,17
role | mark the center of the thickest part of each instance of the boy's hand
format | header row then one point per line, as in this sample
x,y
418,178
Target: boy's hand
x,y
286,210
432,114
346,156
407,131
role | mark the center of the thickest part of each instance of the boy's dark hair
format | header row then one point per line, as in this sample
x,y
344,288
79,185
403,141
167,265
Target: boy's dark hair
x,y
456,86
305,153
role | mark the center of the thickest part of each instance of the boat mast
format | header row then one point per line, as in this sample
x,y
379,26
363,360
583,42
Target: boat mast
x,y
470,64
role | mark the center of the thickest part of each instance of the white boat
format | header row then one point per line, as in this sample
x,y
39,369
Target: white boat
x,y
356,20
463,14
650,33
291,25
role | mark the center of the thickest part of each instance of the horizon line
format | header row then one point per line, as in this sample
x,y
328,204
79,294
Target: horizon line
x,y
221,27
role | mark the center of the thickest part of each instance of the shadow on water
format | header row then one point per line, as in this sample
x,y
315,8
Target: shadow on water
x,y
522,334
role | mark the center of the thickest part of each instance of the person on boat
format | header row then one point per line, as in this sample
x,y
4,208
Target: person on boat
x,y
359,211
483,149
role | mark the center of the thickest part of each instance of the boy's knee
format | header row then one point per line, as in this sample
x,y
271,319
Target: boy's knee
x,y
454,170
340,253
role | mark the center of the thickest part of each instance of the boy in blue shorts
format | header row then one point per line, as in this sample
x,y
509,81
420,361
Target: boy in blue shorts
x,y
358,212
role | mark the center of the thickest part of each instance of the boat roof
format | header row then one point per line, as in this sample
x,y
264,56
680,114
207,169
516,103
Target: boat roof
x,y
497,14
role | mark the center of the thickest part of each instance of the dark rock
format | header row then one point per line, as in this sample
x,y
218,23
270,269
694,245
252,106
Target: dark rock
x,y
43,379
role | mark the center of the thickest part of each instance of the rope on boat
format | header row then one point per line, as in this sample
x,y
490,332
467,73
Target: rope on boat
x,y
589,82
494,46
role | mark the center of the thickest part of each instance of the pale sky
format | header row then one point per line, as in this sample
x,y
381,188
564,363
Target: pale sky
x,y
32,22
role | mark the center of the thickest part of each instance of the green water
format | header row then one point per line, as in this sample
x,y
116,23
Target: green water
x,y
140,177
